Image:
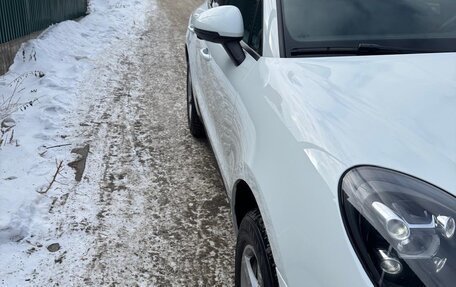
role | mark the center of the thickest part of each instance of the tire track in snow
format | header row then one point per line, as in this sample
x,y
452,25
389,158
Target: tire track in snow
x,y
162,218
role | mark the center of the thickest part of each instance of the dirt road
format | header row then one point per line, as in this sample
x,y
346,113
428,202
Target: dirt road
x,y
151,209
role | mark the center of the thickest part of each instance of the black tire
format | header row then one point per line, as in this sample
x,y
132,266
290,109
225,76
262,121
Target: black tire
x,y
252,236
194,122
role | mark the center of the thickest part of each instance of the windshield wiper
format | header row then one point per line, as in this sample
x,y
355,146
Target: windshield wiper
x,y
362,49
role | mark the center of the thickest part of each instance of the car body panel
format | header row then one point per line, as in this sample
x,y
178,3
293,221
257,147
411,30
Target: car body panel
x,y
291,127
310,118
403,107
273,147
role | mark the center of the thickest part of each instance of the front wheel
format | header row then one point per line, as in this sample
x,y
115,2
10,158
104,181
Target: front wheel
x,y
194,122
254,264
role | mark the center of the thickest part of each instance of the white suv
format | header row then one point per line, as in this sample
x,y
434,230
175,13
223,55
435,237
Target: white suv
x,y
334,126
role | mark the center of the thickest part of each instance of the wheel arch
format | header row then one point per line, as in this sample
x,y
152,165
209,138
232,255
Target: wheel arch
x,y
243,201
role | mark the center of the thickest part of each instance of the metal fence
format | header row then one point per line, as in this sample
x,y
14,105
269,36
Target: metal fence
x,y
22,17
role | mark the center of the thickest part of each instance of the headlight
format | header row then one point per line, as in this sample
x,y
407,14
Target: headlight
x,y
401,228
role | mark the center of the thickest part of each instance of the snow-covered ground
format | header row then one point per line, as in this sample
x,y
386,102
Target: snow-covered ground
x,y
38,99
150,208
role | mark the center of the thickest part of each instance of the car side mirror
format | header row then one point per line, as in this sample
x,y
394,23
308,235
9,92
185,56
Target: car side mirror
x,y
223,25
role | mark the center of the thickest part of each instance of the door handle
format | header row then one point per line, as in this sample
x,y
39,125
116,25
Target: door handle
x,y
205,54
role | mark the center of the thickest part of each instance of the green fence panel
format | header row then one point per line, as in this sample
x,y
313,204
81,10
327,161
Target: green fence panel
x,y
19,18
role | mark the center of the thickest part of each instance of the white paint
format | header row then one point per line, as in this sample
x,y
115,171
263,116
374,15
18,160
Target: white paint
x,y
291,127
224,20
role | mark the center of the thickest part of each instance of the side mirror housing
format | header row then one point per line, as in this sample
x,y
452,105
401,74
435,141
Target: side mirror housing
x,y
223,25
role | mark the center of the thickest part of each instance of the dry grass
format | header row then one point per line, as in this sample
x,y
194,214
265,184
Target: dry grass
x,y
11,102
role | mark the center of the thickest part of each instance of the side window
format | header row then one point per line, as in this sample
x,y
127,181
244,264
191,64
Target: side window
x,y
256,37
216,3
248,11
252,13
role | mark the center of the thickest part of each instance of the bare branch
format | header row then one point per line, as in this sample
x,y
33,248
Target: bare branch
x,y
57,172
55,146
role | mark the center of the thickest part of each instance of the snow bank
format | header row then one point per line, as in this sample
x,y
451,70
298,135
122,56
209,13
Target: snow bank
x,y
44,81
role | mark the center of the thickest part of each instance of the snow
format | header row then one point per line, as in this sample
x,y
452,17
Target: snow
x,y
45,80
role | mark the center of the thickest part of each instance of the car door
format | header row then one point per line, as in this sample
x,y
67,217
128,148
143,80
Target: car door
x,y
223,80
210,101
194,46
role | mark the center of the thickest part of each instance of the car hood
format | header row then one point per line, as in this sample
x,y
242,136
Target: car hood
x,y
394,111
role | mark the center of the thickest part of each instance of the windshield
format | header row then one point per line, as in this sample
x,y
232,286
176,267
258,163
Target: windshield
x,y
408,25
